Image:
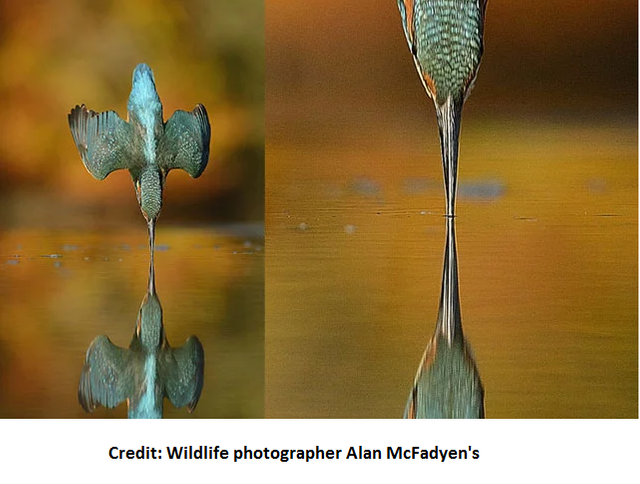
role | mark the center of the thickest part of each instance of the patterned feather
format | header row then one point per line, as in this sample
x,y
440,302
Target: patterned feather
x,y
182,370
446,40
103,140
186,141
103,377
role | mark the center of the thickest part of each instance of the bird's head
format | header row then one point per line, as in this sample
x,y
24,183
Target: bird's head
x,y
149,328
144,104
149,186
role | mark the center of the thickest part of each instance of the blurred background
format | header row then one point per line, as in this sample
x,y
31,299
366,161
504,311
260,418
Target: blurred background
x,y
74,251
546,214
54,55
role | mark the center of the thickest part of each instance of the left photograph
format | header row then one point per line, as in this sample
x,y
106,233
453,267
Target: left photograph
x,y
132,227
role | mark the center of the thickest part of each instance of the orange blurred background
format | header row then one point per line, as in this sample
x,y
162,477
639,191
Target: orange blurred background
x,y
56,54
347,65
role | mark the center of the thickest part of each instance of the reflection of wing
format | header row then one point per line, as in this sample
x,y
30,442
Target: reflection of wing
x,y
102,381
447,384
182,370
187,137
102,140
429,356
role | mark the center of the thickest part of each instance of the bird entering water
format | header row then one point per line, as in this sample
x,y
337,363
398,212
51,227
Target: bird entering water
x,y
144,144
445,38
147,371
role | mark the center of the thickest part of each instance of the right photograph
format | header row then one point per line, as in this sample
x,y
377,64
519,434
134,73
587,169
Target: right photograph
x,y
451,216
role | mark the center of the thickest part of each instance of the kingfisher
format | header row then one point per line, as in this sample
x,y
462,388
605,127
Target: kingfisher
x,y
146,372
446,40
447,384
144,144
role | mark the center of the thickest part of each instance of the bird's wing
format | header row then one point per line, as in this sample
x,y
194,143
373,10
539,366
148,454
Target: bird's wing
x,y
182,370
406,12
102,139
186,141
102,381
483,6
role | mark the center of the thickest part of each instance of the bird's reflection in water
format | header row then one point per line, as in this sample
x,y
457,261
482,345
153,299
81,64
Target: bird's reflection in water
x,y
147,371
448,383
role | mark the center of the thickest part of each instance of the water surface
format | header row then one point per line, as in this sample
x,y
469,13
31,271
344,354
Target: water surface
x,y
547,253
59,289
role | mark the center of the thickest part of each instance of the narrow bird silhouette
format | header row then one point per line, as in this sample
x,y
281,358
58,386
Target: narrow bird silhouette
x,y
446,40
146,372
447,384
144,144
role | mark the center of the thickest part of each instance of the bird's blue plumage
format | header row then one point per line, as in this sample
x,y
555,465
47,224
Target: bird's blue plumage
x,y
144,96
145,107
144,145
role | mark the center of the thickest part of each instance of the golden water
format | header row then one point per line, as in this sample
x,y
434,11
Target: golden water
x,y
60,289
336,326
547,250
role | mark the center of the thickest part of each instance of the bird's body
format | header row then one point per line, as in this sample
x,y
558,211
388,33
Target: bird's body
x,y
447,384
144,144
146,372
446,40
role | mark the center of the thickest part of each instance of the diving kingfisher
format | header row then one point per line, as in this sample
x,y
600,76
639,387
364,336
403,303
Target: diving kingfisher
x,y
144,144
147,371
446,40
